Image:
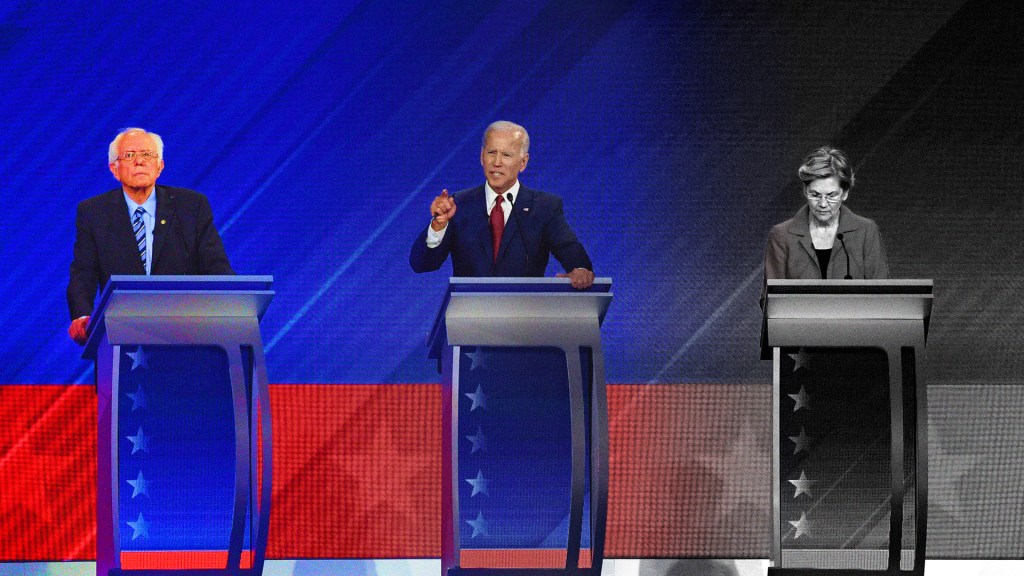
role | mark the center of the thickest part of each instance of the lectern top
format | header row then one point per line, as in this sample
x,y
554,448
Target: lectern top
x,y
138,296
541,289
908,286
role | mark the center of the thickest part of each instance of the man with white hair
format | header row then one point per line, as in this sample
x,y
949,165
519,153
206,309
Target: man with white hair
x,y
502,228
139,228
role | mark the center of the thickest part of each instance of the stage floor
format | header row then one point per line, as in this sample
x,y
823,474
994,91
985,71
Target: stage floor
x,y
431,567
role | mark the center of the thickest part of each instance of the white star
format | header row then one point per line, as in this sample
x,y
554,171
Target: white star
x,y
803,442
138,358
479,398
139,442
801,360
803,526
478,358
479,525
803,485
140,527
479,484
138,399
479,441
803,399
139,485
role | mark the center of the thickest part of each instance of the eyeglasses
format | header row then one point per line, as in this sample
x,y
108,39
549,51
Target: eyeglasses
x,y
144,156
831,197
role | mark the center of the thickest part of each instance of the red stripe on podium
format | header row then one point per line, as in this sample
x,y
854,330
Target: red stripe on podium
x,y
520,558
180,560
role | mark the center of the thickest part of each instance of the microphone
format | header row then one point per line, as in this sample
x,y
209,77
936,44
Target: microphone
x,y
519,228
840,237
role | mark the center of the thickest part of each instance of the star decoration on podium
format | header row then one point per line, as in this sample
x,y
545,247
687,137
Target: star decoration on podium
x,y
479,525
140,527
139,358
803,485
802,399
801,359
479,441
479,398
803,442
803,526
138,399
139,485
139,442
479,484
477,358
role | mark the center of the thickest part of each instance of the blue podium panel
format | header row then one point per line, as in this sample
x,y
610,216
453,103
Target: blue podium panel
x,y
515,448
184,458
525,433
176,469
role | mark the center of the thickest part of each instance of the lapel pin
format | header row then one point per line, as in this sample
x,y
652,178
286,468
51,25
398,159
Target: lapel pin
x,y
163,221
526,208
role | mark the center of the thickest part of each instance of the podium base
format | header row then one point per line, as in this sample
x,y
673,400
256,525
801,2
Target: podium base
x,y
838,572
457,571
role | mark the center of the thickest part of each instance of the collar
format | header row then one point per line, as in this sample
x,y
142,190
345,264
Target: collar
x,y
149,205
490,195
800,225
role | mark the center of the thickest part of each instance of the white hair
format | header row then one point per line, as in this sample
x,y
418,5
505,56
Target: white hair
x,y
516,130
112,150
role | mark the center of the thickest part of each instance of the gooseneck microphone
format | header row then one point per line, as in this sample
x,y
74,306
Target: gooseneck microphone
x,y
840,237
519,228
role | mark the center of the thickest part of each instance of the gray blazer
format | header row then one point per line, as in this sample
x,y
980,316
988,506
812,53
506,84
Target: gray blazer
x,y
790,253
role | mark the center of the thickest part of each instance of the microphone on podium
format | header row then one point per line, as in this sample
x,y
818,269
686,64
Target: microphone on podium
x,y
840,237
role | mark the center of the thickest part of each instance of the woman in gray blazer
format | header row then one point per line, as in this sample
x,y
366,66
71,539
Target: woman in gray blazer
x,y
825,239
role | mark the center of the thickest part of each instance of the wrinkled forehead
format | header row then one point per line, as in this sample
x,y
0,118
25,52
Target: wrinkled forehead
x,y
136,141
504,139
824,185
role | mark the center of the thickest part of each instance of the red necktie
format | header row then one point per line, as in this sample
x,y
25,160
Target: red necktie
x,y
497,225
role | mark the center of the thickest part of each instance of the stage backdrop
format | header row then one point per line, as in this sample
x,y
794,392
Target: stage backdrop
x,y
673,130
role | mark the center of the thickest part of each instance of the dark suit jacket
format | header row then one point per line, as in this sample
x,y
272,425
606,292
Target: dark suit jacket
x,y
184,242
467,239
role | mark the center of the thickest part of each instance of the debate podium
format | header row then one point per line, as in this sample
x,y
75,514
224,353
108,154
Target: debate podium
x,y
184,443
849,465
525,426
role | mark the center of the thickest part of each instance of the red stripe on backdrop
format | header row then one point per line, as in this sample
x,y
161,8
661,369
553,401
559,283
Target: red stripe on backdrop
x,y
357,471
689,471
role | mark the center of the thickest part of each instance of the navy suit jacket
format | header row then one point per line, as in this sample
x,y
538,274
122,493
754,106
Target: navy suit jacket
x,y
538,227
185,241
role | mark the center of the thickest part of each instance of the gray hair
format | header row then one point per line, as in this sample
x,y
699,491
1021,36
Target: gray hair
x,y
516,130
112,150
826,162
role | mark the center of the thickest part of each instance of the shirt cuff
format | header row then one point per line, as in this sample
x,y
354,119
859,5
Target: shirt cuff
x,y
434,237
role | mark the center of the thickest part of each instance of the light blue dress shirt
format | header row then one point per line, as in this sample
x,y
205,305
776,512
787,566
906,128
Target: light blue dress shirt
x,y
148,219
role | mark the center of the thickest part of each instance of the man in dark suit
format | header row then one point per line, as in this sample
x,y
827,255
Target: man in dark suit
x,y
139,228
487,238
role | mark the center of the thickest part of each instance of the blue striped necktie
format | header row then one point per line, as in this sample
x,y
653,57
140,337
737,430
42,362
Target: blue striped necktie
x,y
140,233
